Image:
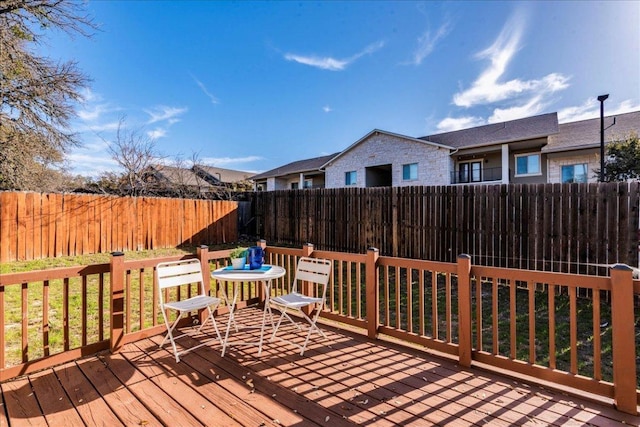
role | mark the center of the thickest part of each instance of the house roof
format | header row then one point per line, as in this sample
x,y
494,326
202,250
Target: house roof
x,y
499,133
180,176
397,135
224,175
307,165
585,134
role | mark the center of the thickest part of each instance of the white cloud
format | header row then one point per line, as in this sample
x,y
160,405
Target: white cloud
x,y
332,64
327,109
533,107
157,133
163,112
451,123
427,43
488,88
591,109
91,164
204,89
220,161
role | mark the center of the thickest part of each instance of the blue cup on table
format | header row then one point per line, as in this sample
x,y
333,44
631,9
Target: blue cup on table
x,y
255,256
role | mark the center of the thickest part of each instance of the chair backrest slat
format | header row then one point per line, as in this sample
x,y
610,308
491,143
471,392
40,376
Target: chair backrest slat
x,y
177,273
313,270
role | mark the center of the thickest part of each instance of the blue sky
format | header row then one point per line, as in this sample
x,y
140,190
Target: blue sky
x,y
254,85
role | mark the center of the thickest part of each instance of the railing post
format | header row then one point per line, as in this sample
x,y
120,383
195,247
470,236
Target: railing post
x,y
203,256
623,344
307,250
464,310
116,277
372,290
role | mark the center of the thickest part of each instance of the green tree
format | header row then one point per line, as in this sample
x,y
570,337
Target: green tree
x,y
623,159
37,94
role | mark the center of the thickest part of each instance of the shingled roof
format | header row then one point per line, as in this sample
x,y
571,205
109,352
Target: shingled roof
x,y
586,133
299,166
499,133
227,176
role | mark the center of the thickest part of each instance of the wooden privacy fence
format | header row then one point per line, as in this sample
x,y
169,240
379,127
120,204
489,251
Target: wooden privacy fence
x,y
580,228
35,225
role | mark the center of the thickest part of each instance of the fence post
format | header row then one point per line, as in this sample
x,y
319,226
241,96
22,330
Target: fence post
x,y
373,315
464,310
623,344
116,277
203,255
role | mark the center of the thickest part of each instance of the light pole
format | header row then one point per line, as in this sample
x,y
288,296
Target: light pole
x,y
602,98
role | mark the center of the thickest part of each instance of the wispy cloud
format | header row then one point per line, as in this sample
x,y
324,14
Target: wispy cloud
x,y
591,109
225,161
333,64
163,112
204,89
455,123
533,107
488,88
327,109
428,41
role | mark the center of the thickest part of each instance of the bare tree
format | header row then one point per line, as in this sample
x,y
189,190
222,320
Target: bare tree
x,y
136,154
36,93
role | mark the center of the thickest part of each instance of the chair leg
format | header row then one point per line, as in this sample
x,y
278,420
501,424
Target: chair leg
x,y
312,327
169,334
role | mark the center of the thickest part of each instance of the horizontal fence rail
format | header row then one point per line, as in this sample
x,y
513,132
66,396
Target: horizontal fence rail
x,y
520,321
574,228
39,225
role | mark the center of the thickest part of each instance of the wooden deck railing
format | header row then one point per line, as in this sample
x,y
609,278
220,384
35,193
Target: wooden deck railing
x,y
526,322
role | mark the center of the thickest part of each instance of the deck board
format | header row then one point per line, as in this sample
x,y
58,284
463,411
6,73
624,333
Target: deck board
x,y
346,380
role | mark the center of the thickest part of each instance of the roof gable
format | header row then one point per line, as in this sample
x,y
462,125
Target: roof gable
x,y
499,133
378,131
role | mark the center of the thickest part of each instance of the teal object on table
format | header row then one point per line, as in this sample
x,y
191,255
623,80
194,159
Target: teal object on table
x,y
255,256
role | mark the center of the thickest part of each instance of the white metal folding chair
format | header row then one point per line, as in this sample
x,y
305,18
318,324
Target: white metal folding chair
x,y
316,272
174,274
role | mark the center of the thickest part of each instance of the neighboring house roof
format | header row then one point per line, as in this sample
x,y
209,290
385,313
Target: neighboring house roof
x,y
397,135
585,134
299,166
223,175
499,133
180,176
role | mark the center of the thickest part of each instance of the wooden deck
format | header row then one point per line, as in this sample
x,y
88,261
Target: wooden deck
x,y
344,381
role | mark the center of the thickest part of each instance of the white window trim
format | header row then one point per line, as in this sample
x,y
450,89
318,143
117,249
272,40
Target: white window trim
x,y
533,153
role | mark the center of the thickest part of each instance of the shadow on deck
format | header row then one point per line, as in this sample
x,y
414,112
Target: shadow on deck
x,y
346,380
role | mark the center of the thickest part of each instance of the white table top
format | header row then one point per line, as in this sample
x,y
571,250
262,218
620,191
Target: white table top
x,y
248,275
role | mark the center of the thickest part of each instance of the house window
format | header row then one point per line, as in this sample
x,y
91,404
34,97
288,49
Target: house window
x,y
528,164
470,172
350,178
574,173
410,172
294,185
308,183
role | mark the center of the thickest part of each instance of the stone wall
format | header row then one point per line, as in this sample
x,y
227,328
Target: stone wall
x,y
434,163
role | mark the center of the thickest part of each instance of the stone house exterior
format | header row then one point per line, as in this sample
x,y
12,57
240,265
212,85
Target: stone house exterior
x,y
531,150
383,158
